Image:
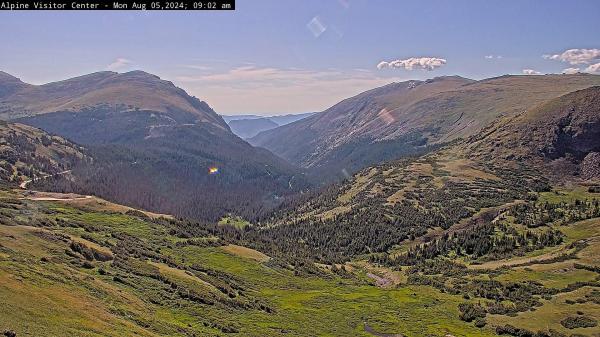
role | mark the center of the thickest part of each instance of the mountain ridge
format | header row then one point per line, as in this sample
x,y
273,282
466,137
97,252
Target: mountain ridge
x,y
248,126
404,118
135,90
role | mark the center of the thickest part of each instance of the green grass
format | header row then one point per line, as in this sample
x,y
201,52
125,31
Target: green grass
x,y
235,221
556,275
552,312
568,195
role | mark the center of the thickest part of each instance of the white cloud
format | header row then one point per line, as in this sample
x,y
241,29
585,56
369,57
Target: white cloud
x,y
491,57
594,68
119,64
425,63
383,64
530,72
576,56
254,89
571,71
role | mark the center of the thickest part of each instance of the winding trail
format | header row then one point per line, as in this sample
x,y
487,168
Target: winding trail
x,y
24,184
381,282
60,199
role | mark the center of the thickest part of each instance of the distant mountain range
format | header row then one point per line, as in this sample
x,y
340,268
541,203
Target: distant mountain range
x,y
408,118
149,138
247,126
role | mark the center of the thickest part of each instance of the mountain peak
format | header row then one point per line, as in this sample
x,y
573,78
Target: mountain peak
x,y
4,76
450,78
10,84
130,91
139,74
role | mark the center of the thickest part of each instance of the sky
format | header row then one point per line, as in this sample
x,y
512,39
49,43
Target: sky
x,y
282,56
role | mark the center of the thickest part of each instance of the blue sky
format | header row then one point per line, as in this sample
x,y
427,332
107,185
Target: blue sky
x,y
282,56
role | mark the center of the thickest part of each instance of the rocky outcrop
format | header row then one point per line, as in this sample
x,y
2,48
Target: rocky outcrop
x,y
590,166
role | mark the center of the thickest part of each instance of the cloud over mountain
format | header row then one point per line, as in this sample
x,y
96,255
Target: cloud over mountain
x,y
576,56
571,71
425,63
120,64
594,68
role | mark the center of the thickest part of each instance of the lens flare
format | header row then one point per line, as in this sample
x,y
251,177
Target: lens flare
x,y
213,170
386,116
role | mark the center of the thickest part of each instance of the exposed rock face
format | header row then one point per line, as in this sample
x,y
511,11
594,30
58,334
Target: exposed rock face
x,y
590,167
561,137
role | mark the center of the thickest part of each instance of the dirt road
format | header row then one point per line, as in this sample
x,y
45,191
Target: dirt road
x,y
24,184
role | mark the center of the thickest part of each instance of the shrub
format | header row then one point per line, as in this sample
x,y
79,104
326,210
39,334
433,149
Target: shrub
x,y
574,322
594,189
90,253
87,265
470,312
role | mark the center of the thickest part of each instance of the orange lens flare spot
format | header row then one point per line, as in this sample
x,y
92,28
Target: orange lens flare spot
x,y
213,170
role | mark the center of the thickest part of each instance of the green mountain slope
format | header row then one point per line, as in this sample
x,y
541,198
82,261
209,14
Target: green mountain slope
x,y
87,270
507,218
385,205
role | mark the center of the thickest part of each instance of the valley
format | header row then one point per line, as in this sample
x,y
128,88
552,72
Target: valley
x,y
348,168
293,299
181,228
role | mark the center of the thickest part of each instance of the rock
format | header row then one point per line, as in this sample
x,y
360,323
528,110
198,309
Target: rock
x,y
590,166
10,333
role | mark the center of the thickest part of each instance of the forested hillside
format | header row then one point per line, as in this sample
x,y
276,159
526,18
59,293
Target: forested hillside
x,y
27,154
172,174
388,204
155,146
